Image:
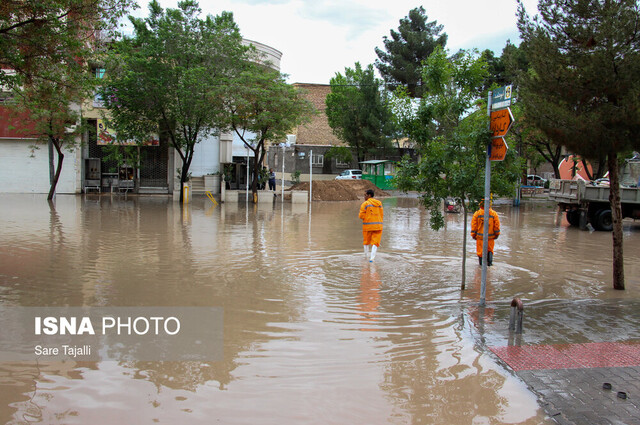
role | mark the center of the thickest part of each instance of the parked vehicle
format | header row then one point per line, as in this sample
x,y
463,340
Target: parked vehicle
x,y
350,174
586,202
535,180
451,206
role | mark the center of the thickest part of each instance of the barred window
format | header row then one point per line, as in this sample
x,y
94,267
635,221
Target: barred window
x,y
317,160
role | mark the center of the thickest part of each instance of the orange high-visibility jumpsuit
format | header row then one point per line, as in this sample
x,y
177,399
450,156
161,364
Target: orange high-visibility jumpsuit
x,y
372,214
477,229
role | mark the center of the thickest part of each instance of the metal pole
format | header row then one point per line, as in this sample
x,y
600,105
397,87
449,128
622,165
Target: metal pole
x,y
284,148
247,185
487,206
310,175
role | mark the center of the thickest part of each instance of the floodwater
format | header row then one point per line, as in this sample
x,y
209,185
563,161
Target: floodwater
x,y
313,334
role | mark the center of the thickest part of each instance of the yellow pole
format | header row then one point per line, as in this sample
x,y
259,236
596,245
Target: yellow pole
x,y
210,196
185,194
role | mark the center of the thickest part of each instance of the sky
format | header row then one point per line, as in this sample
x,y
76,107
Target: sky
x,y
319,38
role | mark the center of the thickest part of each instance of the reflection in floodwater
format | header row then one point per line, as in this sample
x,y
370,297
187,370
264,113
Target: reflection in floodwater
x,y
312,332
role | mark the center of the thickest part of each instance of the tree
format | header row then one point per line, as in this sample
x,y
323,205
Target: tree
x,y
453,149
45,48
358,111
415,40
262,107
584,85
171,77
533,145
52,114
39,36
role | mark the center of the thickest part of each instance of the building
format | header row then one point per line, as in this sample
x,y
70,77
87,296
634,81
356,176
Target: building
x,y
24,166
307,147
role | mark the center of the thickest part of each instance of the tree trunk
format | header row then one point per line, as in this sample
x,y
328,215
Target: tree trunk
x,y
186,164
616,215
52,171
586,169
56,177
256,177
464,247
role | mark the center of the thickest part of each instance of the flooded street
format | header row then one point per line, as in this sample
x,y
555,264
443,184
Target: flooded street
x,y
313,333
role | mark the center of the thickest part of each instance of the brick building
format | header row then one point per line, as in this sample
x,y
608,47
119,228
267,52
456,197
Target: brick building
x,y
317,132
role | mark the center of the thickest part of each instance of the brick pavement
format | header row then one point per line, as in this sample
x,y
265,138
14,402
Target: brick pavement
x,y
569,378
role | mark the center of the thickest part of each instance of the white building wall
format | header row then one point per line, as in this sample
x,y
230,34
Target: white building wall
x,y
206,157
24,171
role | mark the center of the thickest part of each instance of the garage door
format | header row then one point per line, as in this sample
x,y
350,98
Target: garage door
x,y
23,170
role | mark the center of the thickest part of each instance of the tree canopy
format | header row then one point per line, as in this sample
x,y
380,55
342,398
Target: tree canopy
x,y
450,128
39,36
262,107
359,112
171,77
583,88
400,63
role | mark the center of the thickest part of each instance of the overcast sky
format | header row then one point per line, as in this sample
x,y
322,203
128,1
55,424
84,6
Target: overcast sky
x,y
318,38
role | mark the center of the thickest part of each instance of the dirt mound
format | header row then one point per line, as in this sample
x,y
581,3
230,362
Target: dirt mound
x,y
340,190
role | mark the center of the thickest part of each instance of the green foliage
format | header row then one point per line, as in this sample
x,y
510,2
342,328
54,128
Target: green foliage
x,y
401,64
122,155
340,153
50,112
453,149
44,50
172,75
38,37
295,177
583,87
261,107
359,111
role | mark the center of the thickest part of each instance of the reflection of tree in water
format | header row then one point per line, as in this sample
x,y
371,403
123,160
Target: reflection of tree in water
x,y
186,376
22,392
434,373
432,379
55,226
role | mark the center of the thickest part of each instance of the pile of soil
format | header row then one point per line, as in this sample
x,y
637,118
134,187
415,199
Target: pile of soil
x,y
340,190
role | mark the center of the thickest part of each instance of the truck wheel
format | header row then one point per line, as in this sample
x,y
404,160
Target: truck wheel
x,y
573,217
604,220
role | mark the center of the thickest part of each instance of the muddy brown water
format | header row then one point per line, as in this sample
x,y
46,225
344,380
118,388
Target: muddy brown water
x,y
312,333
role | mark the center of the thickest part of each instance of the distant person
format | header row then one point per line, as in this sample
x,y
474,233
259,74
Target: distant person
x,y
371,213
477,229
272,179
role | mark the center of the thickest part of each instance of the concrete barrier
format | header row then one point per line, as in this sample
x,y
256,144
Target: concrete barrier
x,y
299,196
231,196
265,197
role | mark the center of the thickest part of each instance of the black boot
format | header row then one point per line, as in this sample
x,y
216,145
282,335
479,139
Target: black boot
x,y
480,260
490,258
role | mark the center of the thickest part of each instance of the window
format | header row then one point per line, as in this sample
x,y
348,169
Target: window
x,y
97,99
317,160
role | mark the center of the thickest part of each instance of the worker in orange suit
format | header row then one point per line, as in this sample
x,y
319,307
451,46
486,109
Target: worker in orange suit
x,y
477,229
372,214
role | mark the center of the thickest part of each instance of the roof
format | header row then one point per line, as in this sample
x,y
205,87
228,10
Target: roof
x,y
375,161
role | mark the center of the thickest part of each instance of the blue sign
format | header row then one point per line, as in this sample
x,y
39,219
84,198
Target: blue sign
x,y
501,98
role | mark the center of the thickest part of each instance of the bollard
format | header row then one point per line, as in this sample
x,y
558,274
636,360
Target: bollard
x,y
185,193
516,316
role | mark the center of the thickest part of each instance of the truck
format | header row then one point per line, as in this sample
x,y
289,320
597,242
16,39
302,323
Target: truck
x,y
588,202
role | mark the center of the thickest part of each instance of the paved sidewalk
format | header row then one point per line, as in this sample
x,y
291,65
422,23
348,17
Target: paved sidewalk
x,y
569,380
566,355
